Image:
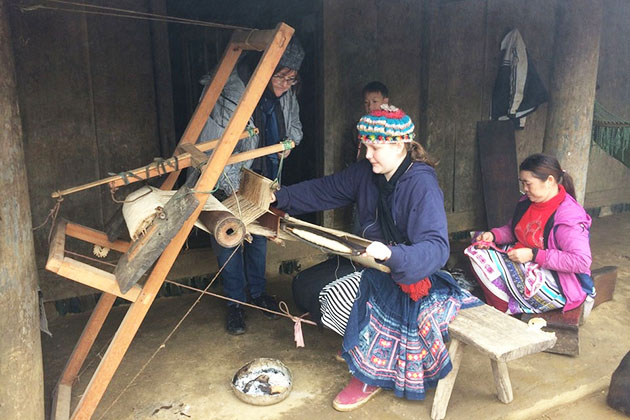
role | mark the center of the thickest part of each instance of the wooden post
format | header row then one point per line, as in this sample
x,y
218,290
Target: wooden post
x,y
21,374
572,90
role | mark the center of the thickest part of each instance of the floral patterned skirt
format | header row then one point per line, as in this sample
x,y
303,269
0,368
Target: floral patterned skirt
x,y
395,343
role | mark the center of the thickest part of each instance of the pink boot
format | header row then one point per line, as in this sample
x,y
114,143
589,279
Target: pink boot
x,y
354,395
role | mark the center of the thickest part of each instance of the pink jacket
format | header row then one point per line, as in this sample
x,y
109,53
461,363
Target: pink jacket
x,y
568,249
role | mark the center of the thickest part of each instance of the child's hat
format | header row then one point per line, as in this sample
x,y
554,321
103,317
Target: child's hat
x,y
386,125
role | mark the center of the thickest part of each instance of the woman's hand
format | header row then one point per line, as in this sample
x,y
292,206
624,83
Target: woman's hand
x,y
484,237
378,251
521,255
273,197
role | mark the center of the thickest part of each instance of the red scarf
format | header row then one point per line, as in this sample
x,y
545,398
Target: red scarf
x,y
417,290
530,229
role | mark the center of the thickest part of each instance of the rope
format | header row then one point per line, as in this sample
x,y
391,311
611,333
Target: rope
x,y
125,175
52,215
112,192
284,311
286,144
205,292
125,13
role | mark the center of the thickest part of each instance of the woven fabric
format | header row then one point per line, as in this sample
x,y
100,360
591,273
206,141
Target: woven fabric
x,y
524,288
395,343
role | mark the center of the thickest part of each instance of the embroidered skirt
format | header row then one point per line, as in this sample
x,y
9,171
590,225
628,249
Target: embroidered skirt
x,y
510,286
391,341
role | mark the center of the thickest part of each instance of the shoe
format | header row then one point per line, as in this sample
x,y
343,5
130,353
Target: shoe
x,y
267,302
354,395
235,323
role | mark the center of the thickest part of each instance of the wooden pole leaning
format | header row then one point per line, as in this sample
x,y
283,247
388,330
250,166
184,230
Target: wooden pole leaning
x,y
276,42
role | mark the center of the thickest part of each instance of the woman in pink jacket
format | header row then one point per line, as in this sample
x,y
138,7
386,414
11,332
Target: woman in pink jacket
x,y
541,259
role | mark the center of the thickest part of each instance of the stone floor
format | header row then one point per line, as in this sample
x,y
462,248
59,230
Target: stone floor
x,y
189,378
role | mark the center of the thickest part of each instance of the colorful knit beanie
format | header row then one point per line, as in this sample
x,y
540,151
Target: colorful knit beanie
x,y
386,125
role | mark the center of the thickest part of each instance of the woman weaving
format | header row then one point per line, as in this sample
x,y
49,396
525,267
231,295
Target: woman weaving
x,y
548,258
394,324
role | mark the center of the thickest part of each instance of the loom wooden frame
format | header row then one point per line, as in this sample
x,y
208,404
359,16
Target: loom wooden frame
x,y
273,43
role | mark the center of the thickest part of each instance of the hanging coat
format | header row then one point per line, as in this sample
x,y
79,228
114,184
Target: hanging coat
x,y
518,90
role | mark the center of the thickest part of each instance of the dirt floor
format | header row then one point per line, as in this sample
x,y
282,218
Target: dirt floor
x,y
189,378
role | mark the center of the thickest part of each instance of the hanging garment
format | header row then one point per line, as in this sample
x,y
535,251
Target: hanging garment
x,y
518,90
611,133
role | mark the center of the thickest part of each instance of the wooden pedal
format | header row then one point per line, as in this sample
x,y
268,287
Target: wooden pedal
x,y
145,251
604,279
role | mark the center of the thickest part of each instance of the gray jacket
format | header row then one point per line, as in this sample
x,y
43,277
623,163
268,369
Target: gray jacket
x,y
220,117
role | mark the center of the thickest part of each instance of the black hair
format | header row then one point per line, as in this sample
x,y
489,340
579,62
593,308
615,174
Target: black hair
x,y
542,166
376,86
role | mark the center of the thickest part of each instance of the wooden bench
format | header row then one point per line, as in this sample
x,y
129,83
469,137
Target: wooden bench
x,y
500,337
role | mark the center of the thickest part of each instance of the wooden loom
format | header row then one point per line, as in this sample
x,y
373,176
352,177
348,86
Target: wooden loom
x,y
273,43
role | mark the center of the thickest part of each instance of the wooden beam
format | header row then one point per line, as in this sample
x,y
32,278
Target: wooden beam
x,y
88,336
253,40
179,161
94,236
95,278
57,246
185,161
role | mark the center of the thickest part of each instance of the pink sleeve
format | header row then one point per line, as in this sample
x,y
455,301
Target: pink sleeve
x,y
503,235
574,255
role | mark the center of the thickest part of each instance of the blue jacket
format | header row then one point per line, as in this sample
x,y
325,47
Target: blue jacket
x,y
417,207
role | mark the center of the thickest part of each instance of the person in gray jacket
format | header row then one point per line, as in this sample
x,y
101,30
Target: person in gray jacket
x,y
277,118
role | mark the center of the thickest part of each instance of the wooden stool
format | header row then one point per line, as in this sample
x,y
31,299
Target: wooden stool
x,y
500,337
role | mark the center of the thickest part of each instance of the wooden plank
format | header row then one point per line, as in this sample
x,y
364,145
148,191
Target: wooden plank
x,y
497,335
94,236
499,170
96,278
146,250
61,399
136,313
446,384
86,341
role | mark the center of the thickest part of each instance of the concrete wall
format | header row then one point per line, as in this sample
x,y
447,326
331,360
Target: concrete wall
x,y
88,103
